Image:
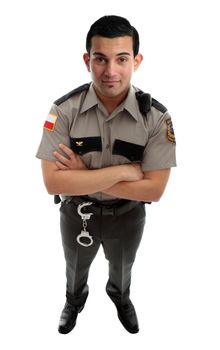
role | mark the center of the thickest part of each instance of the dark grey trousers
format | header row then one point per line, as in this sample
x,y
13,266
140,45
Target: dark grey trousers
x,y
120,237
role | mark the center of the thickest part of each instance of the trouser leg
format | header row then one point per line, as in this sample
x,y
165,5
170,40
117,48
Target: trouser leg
x,y
121,239
78,258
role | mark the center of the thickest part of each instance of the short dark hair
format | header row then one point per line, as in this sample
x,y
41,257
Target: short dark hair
x,y
112,27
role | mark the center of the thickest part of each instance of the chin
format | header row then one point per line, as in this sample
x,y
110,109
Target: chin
x,y
111,90
111,93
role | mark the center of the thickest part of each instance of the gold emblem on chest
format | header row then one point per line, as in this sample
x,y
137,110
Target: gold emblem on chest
x,y
79,143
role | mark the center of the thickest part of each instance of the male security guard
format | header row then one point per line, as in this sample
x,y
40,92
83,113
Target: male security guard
x,y
106,149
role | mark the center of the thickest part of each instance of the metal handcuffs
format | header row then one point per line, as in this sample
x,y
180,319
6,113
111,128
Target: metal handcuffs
x,y
84,234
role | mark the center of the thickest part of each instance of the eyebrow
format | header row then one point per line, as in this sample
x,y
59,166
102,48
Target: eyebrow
x,y
118,54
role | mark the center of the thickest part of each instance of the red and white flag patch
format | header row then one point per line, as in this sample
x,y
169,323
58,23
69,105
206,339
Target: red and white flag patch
x,y
50,122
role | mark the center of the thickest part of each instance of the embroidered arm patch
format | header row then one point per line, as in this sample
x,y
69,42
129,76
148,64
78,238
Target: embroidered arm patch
x,y
170,131
50,122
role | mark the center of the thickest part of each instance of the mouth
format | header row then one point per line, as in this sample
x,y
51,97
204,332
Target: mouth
x,y
110,82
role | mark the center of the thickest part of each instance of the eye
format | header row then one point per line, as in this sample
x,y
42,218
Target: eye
x,y
100,60
123,59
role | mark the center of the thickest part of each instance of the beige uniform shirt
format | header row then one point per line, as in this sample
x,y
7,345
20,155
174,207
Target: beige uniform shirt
x,y
80,121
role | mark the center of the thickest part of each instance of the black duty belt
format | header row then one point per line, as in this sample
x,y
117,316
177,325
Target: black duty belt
x,y
112,208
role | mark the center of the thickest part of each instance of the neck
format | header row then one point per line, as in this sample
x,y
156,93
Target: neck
x,y
111,102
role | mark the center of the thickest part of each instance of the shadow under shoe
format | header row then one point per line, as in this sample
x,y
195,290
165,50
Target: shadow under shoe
x,y
68,318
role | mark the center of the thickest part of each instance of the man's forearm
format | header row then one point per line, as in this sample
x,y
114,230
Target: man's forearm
x,y
81,182
143,190
148,189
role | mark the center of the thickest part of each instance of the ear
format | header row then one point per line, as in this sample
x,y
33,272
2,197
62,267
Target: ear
x,y
86,59
137,61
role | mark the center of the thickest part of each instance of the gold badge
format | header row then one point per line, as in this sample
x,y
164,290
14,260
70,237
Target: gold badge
x,y
170,131
79,143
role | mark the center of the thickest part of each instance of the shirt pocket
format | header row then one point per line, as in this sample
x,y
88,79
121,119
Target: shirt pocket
x,y
129,150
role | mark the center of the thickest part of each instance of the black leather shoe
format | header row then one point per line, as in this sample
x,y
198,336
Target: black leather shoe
x,y
128,317
68,318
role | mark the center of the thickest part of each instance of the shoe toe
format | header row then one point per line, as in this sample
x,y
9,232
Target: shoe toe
x,y
128,318
68,318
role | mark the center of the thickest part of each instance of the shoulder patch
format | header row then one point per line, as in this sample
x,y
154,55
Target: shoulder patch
x,y
170,130
71,93
50,122
158,106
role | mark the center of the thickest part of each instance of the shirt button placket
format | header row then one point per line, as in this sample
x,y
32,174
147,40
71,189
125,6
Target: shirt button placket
x,y
107,146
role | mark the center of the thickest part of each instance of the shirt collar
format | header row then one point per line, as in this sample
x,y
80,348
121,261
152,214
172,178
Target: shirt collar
x,y
90,101
130,103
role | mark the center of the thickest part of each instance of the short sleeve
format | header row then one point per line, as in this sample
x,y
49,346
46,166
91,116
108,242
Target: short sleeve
x,y
55,131
160,151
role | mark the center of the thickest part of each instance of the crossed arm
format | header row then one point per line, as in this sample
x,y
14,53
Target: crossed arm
x,y
69,176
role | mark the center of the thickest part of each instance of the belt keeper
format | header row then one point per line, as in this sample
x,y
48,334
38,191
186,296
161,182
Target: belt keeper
x,y
105,210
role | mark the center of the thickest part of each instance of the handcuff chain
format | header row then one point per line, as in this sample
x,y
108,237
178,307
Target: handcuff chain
x,y
84,224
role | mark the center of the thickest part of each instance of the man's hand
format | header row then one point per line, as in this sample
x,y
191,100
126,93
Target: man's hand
x,y
133,172
71,161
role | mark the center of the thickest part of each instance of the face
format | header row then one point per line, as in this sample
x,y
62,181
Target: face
x,y
111,63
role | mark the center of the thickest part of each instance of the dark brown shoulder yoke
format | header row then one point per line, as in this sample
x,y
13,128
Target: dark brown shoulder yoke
x,y
145,102
71,93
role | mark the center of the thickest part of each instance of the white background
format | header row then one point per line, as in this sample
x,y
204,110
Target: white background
x,y
176,275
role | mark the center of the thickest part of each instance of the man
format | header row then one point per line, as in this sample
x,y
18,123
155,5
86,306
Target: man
x,y
107,148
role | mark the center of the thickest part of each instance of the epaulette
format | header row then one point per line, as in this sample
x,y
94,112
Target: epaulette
x,y
145,102
71,93
158,106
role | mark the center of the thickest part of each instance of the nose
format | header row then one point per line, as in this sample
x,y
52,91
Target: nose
x,y
110,70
